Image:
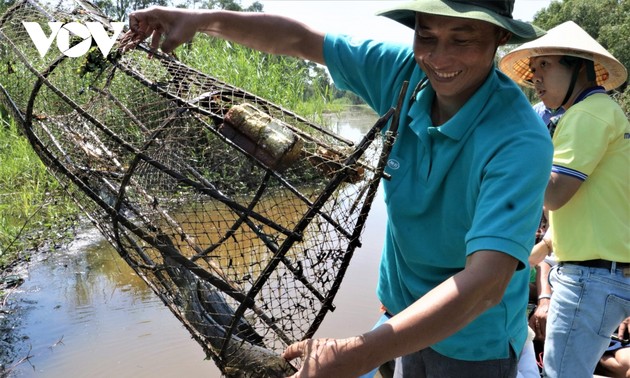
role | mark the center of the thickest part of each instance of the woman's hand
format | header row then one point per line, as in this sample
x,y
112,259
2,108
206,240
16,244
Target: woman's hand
x,y
538,320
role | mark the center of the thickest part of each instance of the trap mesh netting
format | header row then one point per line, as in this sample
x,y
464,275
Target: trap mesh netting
x,y
240,215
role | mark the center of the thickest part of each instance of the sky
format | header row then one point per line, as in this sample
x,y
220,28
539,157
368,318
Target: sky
x,y
357,17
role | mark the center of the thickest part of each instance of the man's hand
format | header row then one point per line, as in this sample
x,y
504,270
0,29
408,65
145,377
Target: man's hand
x,y
328,357
174,25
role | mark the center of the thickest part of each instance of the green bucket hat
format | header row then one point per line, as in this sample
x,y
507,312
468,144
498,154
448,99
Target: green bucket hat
x,y
497,12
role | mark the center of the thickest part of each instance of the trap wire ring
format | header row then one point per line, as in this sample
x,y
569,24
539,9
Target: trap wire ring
x,y
246,253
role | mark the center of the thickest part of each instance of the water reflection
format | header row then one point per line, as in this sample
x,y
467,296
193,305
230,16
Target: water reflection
x,y
86,313
352,123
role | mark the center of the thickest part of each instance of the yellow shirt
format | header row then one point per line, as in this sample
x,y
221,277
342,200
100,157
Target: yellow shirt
x,y
592,143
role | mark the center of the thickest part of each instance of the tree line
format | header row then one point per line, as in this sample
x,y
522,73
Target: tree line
x,y
608,21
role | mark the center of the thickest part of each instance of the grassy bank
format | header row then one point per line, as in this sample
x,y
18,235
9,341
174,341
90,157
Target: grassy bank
x,y
294,84
33,208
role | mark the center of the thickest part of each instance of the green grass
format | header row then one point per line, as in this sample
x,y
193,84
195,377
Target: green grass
x,y
33,207
34,210
292,83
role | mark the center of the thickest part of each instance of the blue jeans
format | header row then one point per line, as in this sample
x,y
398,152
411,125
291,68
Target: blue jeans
x,y
588,304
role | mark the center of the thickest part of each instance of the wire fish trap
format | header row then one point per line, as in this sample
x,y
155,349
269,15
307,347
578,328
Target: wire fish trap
x,y
240,215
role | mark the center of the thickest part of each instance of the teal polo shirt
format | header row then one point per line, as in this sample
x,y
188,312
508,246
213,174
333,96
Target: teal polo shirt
x,y
473,183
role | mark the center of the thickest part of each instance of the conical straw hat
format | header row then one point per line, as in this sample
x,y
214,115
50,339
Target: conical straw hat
x,y
565,39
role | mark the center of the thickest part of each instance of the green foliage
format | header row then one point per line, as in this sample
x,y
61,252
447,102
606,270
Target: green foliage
x,y
5,4
94,61
233,5
623,99
286,81
33,208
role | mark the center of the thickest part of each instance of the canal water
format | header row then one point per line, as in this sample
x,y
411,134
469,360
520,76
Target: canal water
x,y
84,313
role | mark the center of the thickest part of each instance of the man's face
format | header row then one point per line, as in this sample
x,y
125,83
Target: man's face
x,y
551,79
455,53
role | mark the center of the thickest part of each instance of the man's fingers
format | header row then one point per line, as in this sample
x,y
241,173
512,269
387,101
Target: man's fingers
x,y
129,37
128,41
294,350
165,29
155,39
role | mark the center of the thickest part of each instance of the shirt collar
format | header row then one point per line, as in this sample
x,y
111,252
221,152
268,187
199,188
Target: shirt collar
x,y
456,127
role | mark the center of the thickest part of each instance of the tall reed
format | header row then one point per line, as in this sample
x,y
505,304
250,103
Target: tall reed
x,y
299,86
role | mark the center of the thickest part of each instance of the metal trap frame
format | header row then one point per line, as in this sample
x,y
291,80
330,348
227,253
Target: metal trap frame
x,y
240,215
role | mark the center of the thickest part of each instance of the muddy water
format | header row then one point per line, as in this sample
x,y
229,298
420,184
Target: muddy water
x,y
84,313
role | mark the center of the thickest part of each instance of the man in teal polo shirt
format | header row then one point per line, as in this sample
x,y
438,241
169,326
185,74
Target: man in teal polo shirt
x,y
468,172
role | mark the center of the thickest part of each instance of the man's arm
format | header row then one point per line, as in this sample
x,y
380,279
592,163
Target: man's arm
x,y
170,27
439,314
